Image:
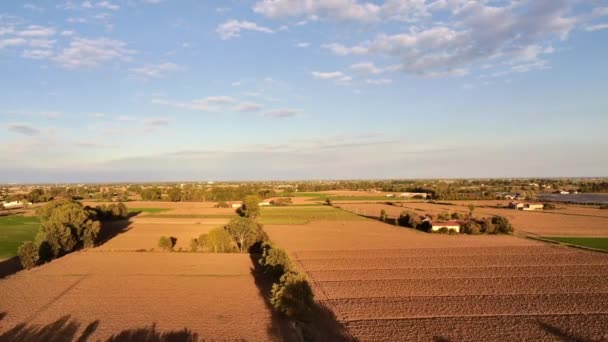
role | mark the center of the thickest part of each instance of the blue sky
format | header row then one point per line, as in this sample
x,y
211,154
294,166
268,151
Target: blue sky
x,y
146,90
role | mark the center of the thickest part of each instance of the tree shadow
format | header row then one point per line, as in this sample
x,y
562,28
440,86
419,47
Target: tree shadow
x,y
112,228
10,266
561,334
150,334
63,329
322,327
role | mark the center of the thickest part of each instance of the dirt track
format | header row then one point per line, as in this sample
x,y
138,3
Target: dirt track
x,y
386,283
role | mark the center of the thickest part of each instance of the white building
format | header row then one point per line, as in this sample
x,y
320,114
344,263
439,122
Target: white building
x,y
450,225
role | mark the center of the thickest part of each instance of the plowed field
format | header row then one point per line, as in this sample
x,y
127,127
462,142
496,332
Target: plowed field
x,y
386,283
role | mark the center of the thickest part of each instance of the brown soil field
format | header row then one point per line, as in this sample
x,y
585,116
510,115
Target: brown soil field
x,y
123,294
572,221
175,208
386,283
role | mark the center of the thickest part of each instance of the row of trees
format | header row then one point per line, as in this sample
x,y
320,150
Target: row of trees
x,y
468,225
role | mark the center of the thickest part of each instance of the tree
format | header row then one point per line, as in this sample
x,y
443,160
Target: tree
x,y
28,254
175,194
425,226
245,232
275,261
36,196
293,296
251,207
65,226
502,225
218,240
123,211
328,202
471,210
407,219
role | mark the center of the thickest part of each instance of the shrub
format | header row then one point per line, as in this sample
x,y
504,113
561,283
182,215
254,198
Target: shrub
x,y
486,226
193,245
293,296
167,243
549,206
281,202
383,216
471,227
407,219
221,205
443,216
452,231
443,230
455,216
328,201
28,254
502,225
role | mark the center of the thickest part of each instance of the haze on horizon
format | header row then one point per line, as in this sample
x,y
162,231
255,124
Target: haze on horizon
x,y
161,90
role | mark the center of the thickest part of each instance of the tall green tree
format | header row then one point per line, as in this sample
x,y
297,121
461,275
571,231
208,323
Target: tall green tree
x,y
245,231
251,206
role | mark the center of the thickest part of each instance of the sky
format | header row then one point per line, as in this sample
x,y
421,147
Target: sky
x,y
167,90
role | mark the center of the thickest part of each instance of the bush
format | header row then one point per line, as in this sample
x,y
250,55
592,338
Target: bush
x,y
167,243
328,202
549,206
486,226
502,225
221,205
407,219
193,245
443,216
282,202
383,216
452,231
471,227
28,254
443,230
455,216
293,296
251,207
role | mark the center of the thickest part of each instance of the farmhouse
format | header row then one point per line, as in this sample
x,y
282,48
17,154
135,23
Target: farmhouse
x,y
15,204
452,225
236,204
525,206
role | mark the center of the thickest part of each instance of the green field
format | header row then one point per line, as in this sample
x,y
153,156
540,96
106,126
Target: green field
x,y
14,230
303,215
148,210
592,242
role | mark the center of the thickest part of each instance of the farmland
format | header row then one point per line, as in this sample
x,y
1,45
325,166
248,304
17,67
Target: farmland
x,y
303,214
597,243
14,230
386,283
127,287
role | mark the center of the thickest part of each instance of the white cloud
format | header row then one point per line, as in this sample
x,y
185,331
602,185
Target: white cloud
x,y
37,54
596,27
340,9
156,122
67,33
380,81
303,45
336,76
207,104
281,113
33,7
156,70
89,53
366,68
12,42
232,28
248,107
35,31
107,5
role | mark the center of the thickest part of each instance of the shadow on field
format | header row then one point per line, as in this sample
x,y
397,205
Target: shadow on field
x,y
561,334
150,334
110,229
323,327
10,266
63,329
